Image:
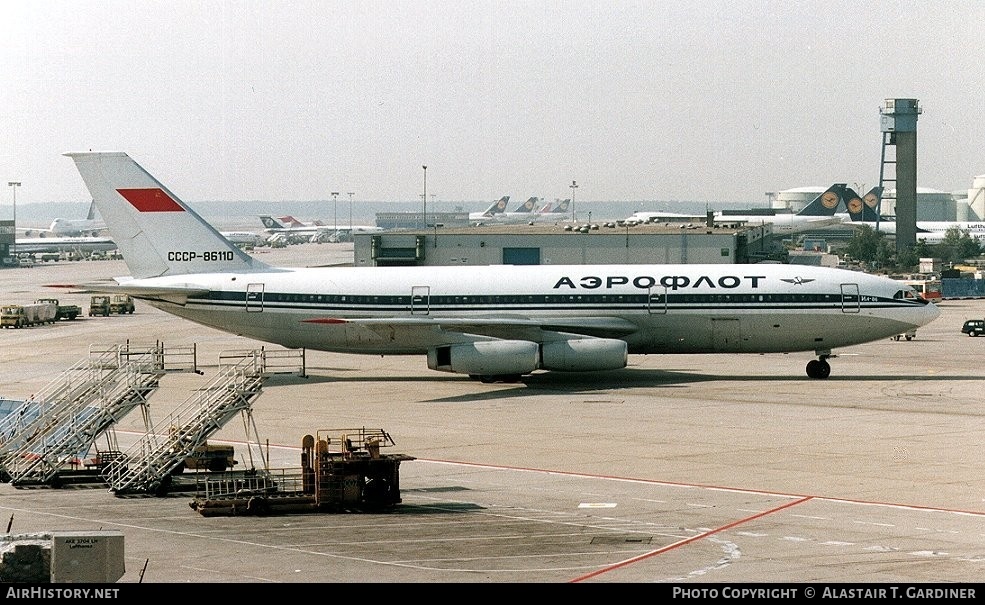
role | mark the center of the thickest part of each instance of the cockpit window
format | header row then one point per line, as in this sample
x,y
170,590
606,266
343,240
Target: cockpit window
x,y
906,294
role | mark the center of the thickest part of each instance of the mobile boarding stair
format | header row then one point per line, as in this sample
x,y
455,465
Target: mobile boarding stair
x,y
52,429
147,467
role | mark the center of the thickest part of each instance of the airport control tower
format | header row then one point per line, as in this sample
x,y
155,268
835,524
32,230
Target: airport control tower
x,y
898,119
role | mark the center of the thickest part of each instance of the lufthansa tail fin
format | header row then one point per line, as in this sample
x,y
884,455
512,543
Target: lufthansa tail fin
x,y
873,201
497,206
827,203
156,232
562,206
527,206
863,209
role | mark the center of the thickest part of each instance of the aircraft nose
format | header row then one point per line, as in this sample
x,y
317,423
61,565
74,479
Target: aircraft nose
x,y
930,313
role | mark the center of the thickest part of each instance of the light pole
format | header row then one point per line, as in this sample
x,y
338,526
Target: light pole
x,y
335,200
425,196
14,185
573,186
350,213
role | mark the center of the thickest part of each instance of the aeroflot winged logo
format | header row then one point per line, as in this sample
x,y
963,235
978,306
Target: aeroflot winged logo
x,y
150,200
797,280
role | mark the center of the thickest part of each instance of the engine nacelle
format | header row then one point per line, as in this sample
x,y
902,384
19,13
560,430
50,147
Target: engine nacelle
x,y
584,355
486,358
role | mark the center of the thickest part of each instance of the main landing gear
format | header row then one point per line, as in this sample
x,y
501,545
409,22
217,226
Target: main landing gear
x,y
819,368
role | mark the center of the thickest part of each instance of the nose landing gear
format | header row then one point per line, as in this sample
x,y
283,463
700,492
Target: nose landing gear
x,y
819,368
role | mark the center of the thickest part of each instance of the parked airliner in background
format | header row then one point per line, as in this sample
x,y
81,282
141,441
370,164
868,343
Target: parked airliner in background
x,y
245,238
821,211
272,225
497,207
493,322
68,227
864,211
313,232
524,213
55,244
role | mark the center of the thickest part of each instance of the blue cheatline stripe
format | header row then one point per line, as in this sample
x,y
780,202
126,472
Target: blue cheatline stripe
x,y
551,303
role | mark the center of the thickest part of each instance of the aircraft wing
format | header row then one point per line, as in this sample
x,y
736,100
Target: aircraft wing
x,y
175,295
506,327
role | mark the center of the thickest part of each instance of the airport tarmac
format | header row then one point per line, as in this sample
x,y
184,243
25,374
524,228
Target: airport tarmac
x,y
678,469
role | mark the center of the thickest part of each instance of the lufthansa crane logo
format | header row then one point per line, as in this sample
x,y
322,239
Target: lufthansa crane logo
x,y
829,199
855,205
871,200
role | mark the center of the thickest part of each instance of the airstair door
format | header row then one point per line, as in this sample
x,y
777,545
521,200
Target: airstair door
x,y
254,298
420,300
656,301
851,302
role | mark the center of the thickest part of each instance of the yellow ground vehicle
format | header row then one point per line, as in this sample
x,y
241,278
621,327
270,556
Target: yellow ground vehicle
x,y
22,316
215,458
99,305
121,303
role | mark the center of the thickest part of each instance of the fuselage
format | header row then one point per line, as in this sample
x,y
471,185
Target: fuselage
x,y
655,308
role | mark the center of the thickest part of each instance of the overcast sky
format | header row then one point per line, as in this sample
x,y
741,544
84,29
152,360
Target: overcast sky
x,y
654,100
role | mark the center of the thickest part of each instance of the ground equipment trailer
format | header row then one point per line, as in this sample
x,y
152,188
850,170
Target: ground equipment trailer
x,y
22,316
62,311
342,470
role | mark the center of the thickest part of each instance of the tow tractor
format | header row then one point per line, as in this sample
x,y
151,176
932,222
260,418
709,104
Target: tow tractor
x,y
342,470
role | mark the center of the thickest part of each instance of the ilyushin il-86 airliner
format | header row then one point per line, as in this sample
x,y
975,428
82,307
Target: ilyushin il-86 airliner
x,y
493,323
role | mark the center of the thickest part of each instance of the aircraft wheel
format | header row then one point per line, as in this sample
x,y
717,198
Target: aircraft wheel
x,y
818,368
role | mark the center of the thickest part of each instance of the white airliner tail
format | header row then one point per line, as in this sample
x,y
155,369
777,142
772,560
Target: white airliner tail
x,y
155,231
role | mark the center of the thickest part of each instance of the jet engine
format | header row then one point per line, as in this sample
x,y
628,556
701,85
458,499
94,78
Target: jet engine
x,y
486,358
584,355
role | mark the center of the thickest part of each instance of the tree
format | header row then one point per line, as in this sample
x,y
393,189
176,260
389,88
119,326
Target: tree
x,y
957,245
864,245
909,259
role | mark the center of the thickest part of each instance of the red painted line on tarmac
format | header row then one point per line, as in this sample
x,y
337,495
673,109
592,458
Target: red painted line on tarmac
x,y
740,490
700,536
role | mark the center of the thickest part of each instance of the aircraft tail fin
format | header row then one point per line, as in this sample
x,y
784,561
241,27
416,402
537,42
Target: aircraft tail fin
x,y
873,202
527,206
827,203
863,209
497,206
562,206
91,215
156,232
270,222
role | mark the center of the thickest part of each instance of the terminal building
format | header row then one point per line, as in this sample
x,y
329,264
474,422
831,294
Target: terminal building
x,y
566,244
